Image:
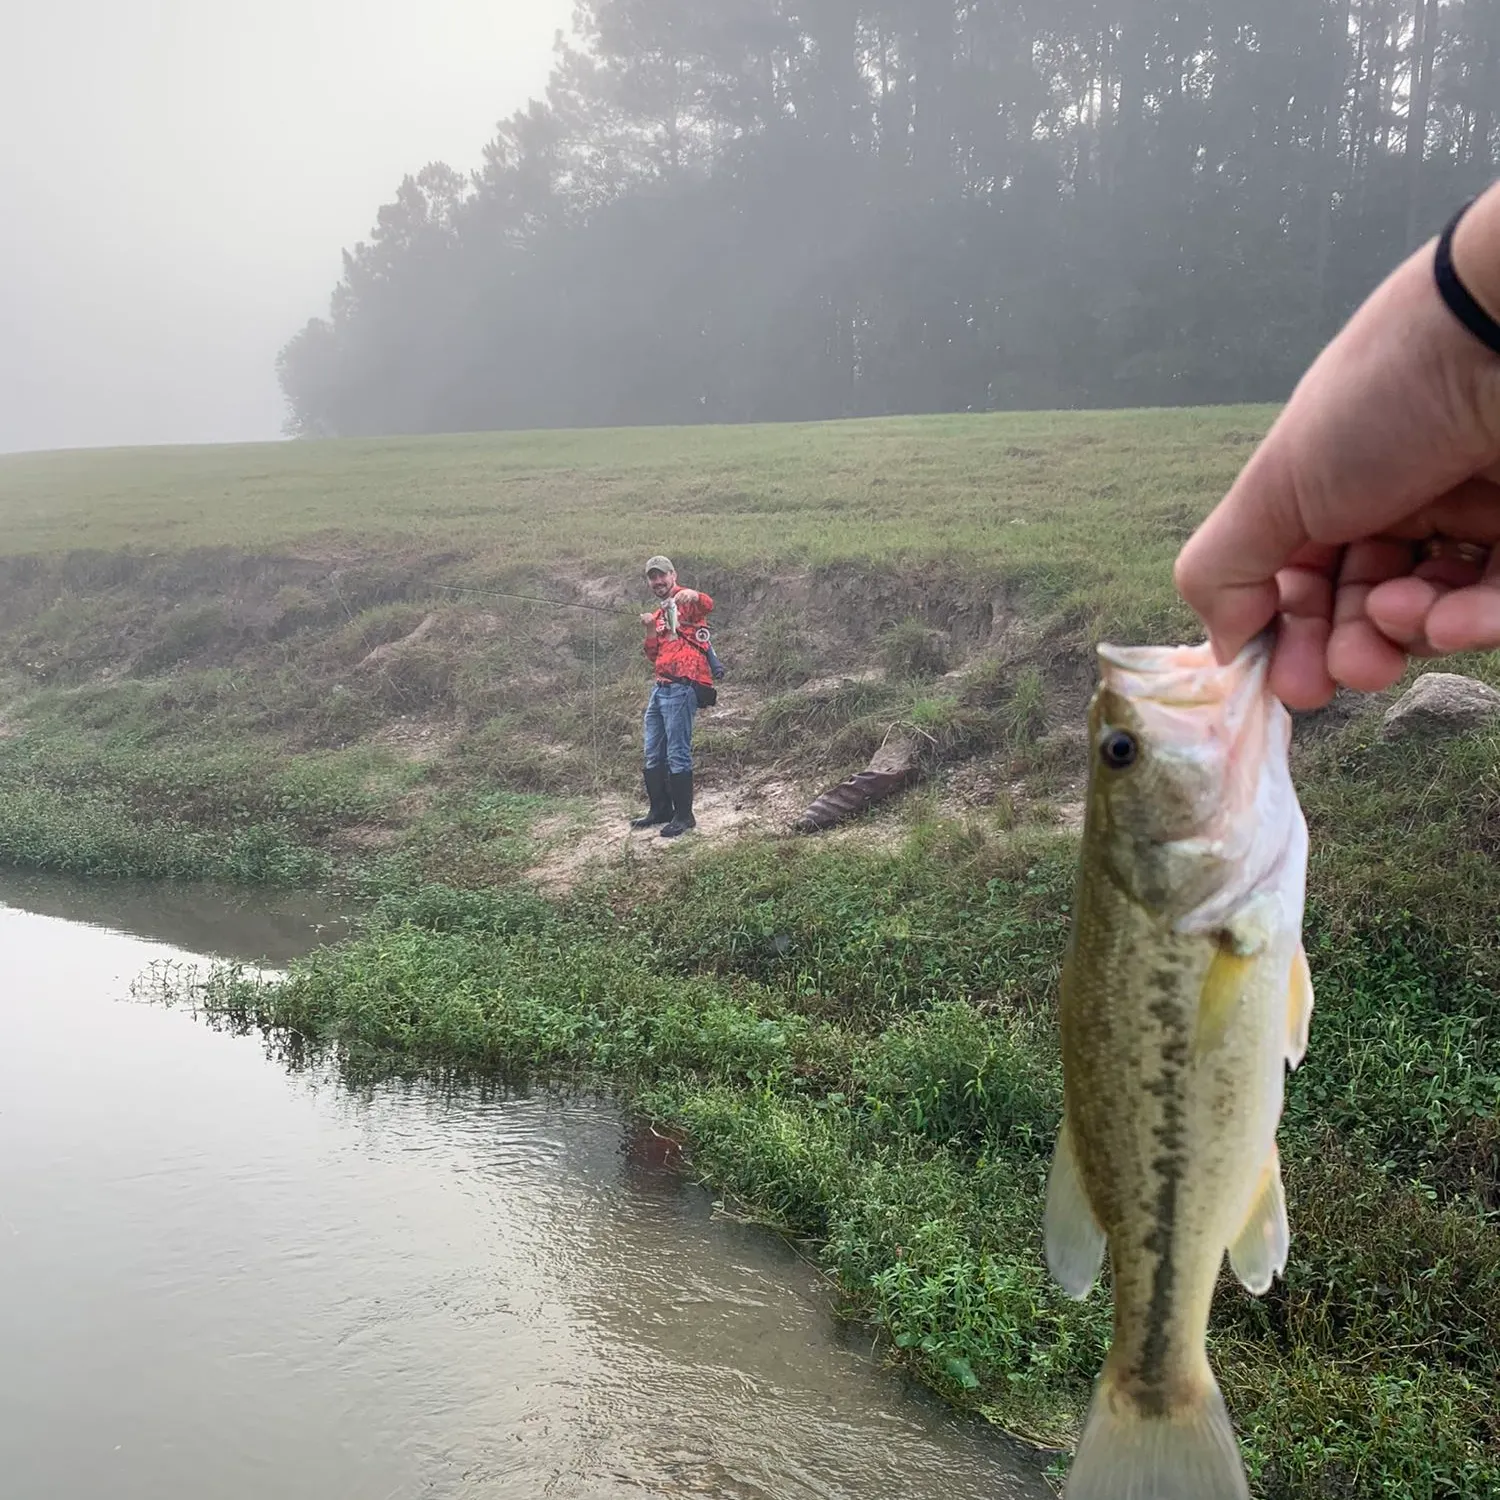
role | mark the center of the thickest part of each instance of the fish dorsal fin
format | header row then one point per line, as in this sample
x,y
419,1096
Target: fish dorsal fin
x,y
1299,1005
1258,1253
1075,1242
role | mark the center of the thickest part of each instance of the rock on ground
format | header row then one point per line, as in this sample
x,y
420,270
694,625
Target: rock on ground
x,y
1442,703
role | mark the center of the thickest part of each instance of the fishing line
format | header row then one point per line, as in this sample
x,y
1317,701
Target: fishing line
x,y
594,609
594,702
397,690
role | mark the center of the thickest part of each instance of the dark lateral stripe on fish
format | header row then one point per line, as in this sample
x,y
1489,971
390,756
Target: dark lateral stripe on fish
x,y
1169,1167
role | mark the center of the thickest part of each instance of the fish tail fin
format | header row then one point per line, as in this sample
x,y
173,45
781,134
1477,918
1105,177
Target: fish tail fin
x,y
1188,1453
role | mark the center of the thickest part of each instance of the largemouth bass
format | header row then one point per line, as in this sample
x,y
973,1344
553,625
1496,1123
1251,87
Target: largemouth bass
x,y
1185,995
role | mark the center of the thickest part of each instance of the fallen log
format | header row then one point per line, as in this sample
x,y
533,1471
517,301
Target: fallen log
x,y
895,765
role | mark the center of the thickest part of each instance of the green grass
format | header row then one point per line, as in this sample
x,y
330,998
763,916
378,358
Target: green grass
x,y
285,600
105,803
243,663
1027,490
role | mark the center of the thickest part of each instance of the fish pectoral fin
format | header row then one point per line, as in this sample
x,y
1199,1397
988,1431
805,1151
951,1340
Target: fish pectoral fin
x,y
1075,1242
1299,1007
1258,1254
1223,989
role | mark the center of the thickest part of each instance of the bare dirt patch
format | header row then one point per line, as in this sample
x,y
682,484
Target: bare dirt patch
x,y
418,739
602,838
1070,814
365,838
978,783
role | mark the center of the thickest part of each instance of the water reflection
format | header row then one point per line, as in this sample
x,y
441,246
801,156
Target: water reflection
x,y
252,925
219,1278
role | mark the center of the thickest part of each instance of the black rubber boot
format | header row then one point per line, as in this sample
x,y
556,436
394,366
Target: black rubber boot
x,y
661,799
681,784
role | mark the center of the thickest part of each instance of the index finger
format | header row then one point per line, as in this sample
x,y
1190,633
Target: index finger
x,y
1227,569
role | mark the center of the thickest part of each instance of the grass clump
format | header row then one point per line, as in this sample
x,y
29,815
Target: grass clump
x,y
1024,712
781,658
913,651
826,721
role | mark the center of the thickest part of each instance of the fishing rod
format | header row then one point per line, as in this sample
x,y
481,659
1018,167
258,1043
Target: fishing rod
x,y
454,588
601,609
615,610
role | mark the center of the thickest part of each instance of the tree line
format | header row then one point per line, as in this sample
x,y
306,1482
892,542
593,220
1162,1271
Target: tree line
x,y
752,210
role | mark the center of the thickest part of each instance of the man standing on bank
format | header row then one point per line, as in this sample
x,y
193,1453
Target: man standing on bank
x,y
677,645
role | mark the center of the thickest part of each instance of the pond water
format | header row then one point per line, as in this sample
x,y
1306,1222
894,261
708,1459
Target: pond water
x,y
221,1279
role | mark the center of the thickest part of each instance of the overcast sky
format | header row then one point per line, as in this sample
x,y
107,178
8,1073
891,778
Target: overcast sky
x,y
178,177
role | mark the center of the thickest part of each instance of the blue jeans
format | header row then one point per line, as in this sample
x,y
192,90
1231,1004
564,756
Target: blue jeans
x,y
669,726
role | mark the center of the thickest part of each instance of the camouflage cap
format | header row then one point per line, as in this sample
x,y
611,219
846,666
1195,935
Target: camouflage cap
x,y
659,565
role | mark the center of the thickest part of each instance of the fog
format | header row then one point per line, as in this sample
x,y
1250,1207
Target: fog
x,y
760,210
743,210
178,178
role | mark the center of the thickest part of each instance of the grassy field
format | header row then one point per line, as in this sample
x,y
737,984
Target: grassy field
x,y
332,625
885,492
250,664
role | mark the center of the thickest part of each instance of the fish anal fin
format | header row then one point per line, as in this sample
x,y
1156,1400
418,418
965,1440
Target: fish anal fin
x,y
1258,1253
1075,1242
1187,1453
1299,1007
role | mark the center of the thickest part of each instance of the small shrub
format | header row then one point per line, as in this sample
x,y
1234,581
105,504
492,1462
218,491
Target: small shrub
x,y
184,632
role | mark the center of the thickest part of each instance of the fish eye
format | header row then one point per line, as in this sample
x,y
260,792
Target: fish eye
x,y
1118,749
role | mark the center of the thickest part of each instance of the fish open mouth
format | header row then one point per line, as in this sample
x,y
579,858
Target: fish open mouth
x,y
1187,704
1184,676
1223,738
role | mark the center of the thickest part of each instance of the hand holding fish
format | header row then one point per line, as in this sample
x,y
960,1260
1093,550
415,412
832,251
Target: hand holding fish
x,y
1364,523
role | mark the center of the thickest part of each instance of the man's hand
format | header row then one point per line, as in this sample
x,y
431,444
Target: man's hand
x,y
1391,439
648,616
